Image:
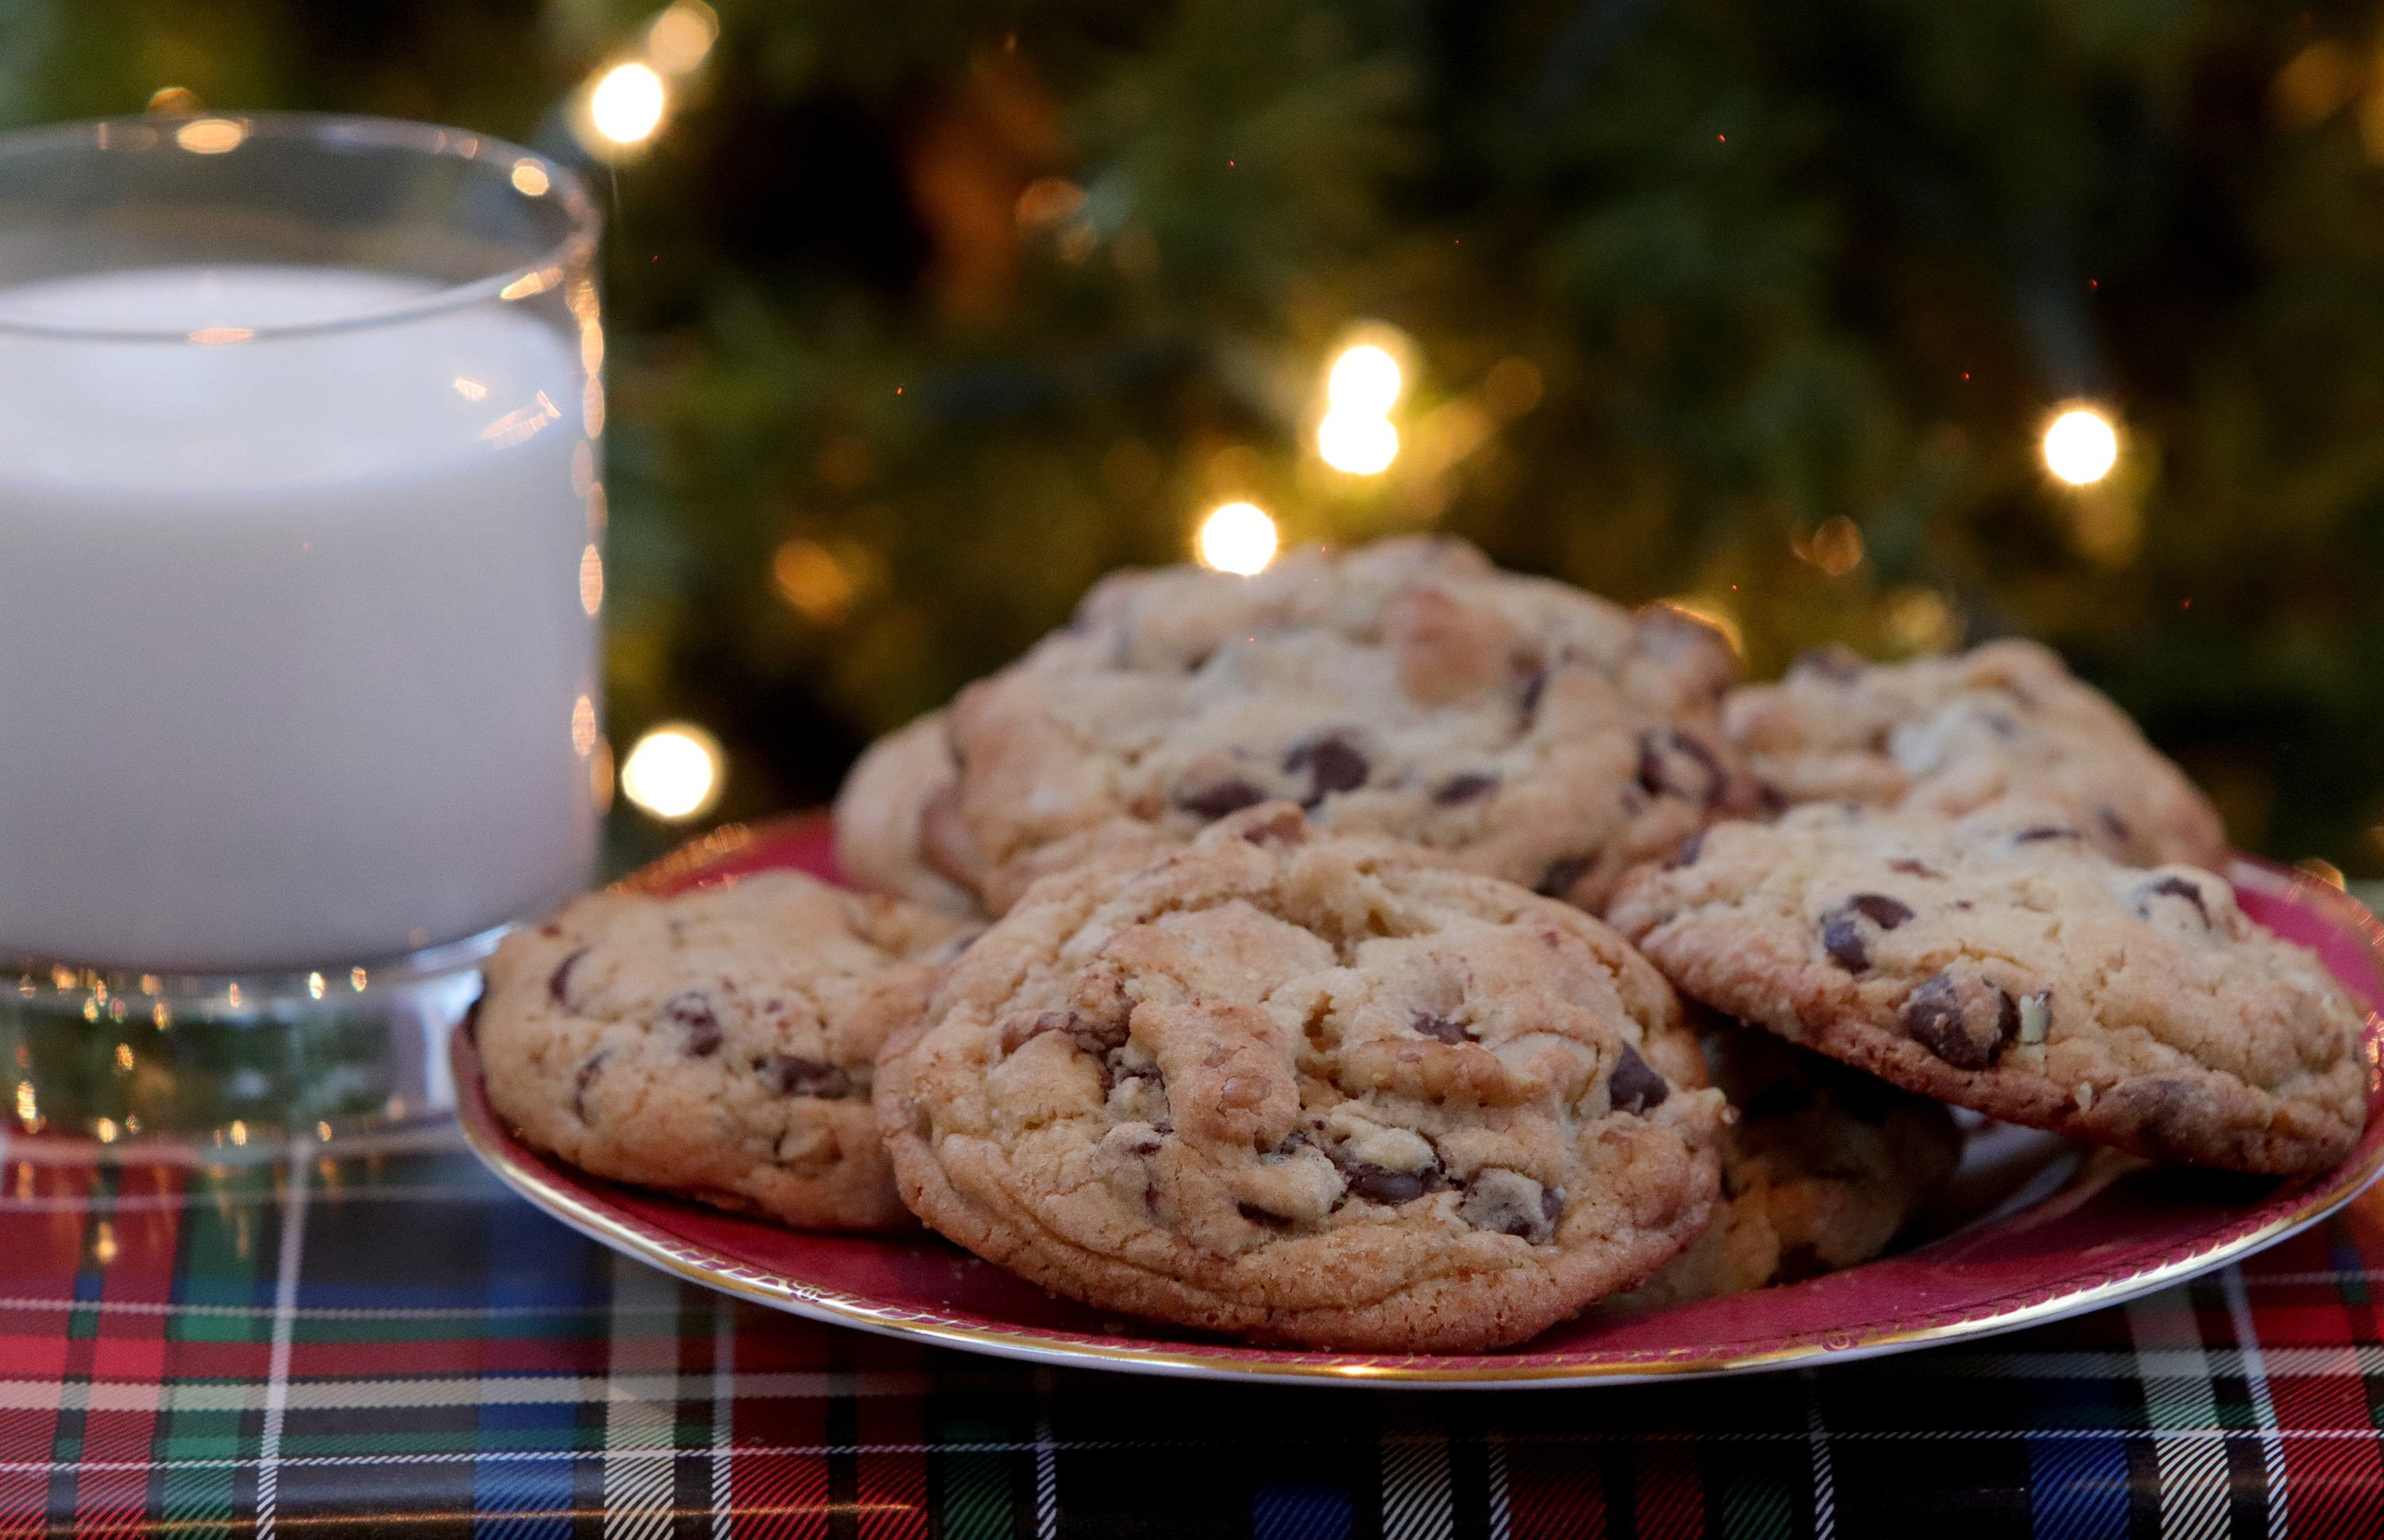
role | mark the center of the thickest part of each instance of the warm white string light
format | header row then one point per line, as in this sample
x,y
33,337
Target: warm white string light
x,y
2080,446
623,104
1365,379
628,104
674,771
1238,538
1357,445
1355,435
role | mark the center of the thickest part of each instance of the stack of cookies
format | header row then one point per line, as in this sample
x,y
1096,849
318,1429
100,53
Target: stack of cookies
x,y
1235,959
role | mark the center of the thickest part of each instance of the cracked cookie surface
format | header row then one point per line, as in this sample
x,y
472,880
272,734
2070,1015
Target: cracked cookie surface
x,y
1517,725
1822,1167
1309,1088
718,1044
1998,963
1952,734
892,808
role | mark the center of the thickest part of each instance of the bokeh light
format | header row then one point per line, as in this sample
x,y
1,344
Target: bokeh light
x,y
1365,382
1357,443
1238,538
2080,446
680,36
627,106
530,178
809,577
674,771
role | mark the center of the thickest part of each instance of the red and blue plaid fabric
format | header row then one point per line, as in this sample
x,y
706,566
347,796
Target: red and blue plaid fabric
x,y
385,1341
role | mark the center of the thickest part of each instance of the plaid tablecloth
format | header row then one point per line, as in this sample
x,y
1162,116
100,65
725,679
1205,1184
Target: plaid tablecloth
x,y
387,1342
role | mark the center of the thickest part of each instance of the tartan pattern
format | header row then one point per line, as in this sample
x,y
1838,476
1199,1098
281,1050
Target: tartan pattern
x,y
388,1342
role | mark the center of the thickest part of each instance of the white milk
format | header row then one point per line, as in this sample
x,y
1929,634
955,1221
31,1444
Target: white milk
x,y
292,630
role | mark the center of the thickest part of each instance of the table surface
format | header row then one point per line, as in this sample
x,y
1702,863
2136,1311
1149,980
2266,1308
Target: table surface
x,y
384,1341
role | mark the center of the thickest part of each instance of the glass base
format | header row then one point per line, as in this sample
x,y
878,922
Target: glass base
x,y
229,1065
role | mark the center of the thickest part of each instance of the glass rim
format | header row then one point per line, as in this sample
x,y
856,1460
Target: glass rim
x,y
331,130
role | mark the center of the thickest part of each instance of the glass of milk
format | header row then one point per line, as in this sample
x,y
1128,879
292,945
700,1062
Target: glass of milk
x,y
301,565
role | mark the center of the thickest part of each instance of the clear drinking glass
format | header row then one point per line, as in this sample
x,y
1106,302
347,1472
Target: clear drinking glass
x,y
301,535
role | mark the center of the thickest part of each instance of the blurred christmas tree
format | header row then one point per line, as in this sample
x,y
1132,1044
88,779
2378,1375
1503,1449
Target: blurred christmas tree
x,y
926,314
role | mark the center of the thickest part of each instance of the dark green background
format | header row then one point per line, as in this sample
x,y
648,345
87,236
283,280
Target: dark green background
x,y
1773,265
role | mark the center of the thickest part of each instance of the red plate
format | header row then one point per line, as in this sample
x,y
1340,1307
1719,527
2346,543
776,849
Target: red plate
x,y
2085,1234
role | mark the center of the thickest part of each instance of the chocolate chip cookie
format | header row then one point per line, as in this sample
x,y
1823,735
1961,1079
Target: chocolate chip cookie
x,y
1517,725
718,1044
894,827
1998,962
1310,1089
1951,734
1823,1166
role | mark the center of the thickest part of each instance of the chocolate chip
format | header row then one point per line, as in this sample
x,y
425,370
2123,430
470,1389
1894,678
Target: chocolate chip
x,y
1562,873
1880,910
1842,931
1836,664
1463,788
1440,1027
690,1010
1635,1086
1914,869
579,1081
1527,704
1963,1021
1509,1203
558,984
1691,848
1216,801
791,1075
1671,763
1330,765
2171,886
1381,1184
2045,831
1390,1188
2170,1118
1258,1216
1551,1204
